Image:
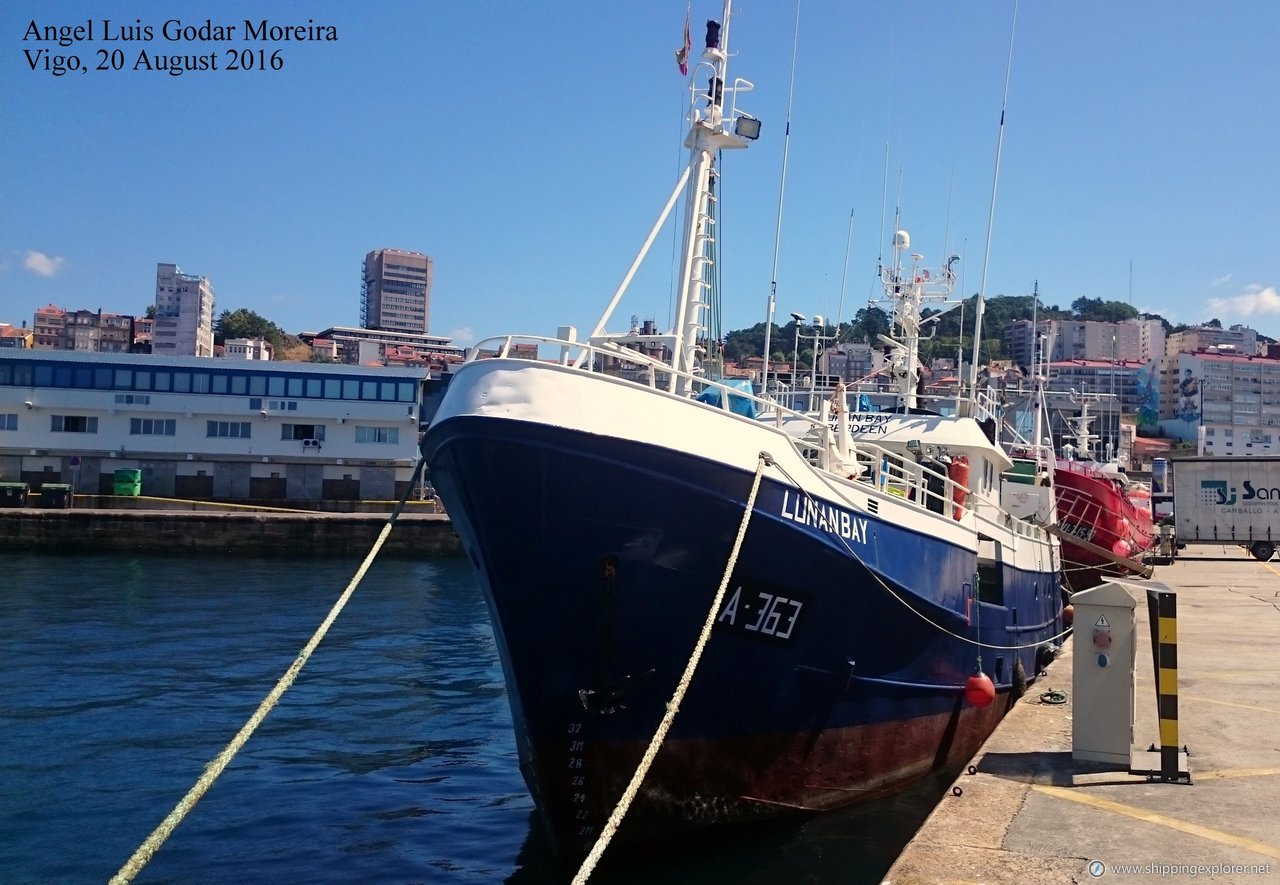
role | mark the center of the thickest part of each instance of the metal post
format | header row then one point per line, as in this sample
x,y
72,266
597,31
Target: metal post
x,y
795,357
1162,612
1162,609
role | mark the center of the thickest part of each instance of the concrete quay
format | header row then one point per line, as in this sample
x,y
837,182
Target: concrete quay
x,y
1029,814
224,530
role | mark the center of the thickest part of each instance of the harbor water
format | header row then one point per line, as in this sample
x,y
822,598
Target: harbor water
x,y
390,760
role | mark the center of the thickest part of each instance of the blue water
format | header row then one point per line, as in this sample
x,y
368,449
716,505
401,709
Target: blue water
x,y
390,760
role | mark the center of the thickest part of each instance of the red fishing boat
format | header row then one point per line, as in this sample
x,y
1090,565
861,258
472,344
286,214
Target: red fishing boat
x,y
1104,519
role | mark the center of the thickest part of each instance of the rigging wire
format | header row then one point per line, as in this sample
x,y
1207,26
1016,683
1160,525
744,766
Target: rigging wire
x,y
991,215
844,275
777,228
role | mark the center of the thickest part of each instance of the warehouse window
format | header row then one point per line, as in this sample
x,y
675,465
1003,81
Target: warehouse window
x,y
74,424
378,435
232,429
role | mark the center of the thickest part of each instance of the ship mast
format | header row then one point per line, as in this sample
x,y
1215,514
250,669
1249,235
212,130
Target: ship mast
x,y
711,130
709,133
909,290
991,215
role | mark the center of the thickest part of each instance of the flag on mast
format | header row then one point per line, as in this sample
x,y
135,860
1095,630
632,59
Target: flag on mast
x,y
682,54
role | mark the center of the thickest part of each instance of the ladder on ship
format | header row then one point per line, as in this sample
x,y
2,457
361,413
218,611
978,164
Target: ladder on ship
x,y
1136,567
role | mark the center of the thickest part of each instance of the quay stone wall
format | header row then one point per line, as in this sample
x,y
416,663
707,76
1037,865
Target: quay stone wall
x,y
234,533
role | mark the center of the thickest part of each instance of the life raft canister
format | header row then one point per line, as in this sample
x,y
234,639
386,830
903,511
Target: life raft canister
x,y
958,473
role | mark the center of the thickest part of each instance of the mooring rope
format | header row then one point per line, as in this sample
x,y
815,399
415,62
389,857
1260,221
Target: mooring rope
x,y
148,848
673,706
1053,696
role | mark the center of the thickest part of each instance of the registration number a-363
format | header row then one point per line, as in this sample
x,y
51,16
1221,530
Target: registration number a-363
x,y
760,613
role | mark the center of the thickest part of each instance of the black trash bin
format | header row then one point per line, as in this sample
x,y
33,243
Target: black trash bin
x,y
55,495
13,494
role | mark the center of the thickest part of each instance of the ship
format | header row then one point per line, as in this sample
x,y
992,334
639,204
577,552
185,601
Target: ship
x,y
1104,517
711,609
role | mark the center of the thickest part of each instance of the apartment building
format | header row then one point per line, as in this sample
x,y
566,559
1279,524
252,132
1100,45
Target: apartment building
x,y
1233,399
87,331
247,349
395,291
184,313
1063,340
1241,338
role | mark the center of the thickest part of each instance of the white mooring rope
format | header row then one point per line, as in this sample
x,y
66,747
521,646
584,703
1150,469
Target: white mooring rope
x,y
673,706
148,848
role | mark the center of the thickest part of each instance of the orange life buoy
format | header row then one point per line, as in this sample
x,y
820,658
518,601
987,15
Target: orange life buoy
x,y
958,472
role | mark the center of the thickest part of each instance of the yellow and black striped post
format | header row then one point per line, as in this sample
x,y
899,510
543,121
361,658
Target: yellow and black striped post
x,y
1162,608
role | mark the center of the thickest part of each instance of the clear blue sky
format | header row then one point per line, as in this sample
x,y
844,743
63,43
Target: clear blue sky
x,y
528,147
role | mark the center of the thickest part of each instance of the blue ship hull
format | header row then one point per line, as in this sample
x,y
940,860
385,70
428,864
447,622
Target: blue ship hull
x,y
821,685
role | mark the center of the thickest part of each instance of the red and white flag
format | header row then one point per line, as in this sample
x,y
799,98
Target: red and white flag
x,y
682,54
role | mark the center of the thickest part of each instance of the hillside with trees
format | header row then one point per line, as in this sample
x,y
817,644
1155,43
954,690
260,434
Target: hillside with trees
x,y
949,338
245,323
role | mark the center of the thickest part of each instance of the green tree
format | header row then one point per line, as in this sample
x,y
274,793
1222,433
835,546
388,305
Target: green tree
x,y
747,342
244,323
868,323
1103,311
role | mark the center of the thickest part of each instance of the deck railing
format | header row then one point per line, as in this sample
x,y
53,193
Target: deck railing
x,y
879,470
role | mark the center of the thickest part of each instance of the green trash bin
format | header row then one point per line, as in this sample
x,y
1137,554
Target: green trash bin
x,y
128,481
13,494
55,496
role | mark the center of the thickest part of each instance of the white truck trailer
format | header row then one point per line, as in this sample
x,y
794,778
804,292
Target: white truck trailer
x,y
1228,501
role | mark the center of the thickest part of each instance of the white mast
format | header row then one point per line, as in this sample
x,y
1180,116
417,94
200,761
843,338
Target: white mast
x,y
991,216
910,290
711,131
708,134
777,230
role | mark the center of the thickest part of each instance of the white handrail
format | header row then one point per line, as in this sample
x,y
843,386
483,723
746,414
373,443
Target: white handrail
x,y
591,356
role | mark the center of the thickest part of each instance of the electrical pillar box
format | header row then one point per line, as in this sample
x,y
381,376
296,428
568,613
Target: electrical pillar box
x,y
1104,673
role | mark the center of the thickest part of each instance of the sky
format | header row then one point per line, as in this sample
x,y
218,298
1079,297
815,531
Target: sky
x,y
528,148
